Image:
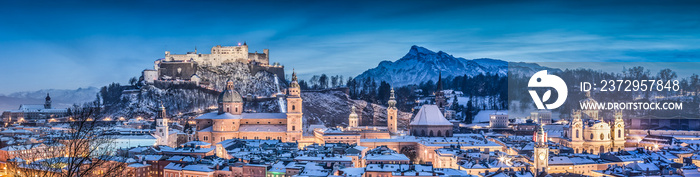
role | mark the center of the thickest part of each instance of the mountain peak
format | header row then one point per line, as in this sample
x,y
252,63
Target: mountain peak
x,y
415,50
421,64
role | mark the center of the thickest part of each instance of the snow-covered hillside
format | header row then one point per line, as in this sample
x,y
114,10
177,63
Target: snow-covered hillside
x,y
186,99
332,108
259,84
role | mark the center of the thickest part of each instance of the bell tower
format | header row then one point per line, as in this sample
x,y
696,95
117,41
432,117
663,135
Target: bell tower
x,y
439,95
541,152
352,119
47,104
294,110
576,131
618,132
391,113
162,128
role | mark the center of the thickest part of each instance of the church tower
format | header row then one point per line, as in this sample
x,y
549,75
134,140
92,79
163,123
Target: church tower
x,y
47,104
391,113
294,110
576,131
541,153
439,95
162,127
352,119
618,134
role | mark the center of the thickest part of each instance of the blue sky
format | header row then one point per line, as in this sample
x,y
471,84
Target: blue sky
x,y
71,44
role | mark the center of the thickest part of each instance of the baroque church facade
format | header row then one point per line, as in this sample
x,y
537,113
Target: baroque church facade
x,y
231,122
590,132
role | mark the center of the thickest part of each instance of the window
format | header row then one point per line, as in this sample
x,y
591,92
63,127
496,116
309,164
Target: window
x,y
619,133
293,128
293,107
591,135
576,133
602,136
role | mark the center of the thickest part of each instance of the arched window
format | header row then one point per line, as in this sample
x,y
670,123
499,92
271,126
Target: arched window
x,y
447,133
602,136
236,109
293,107
294,128
439,134
591,136
431,132
422,133
619,133
576,133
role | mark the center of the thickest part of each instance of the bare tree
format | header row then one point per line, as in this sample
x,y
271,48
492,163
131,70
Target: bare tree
x,y
80,146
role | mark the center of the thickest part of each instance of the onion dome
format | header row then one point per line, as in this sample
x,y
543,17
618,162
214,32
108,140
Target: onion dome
x,y
392,99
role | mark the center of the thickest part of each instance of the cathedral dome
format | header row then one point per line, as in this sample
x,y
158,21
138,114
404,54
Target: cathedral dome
x,y
589,100
599,125
229,95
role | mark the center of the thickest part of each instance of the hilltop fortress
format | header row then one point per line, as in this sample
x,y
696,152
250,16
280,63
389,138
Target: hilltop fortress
x,y
222,54
183,67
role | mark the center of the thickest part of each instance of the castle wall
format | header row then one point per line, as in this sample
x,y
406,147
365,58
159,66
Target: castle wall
x,y
177,70
222,54
276,70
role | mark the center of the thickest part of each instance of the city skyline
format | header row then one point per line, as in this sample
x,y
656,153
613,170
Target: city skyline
x,y
66,45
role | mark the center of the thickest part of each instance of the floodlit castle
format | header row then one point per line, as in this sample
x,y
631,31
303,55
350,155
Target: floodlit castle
x,y
223,54
590,133
231,122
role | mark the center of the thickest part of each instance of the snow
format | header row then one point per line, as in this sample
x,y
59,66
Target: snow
x,y
421,64
430,115
485,115
216,115
263,128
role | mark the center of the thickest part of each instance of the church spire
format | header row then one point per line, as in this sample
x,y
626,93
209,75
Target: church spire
x,y
47,103
392,99
439,82
294,82
161,111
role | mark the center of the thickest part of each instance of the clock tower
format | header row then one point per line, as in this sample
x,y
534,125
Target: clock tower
x,y
541,153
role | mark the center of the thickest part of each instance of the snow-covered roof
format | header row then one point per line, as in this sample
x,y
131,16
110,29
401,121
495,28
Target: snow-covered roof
x,y
198,143
485,115
389,157
263,128
198,167
430,115
264,115
216,115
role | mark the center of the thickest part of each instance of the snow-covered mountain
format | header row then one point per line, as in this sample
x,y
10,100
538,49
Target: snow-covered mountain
x,y
61,98
421,64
